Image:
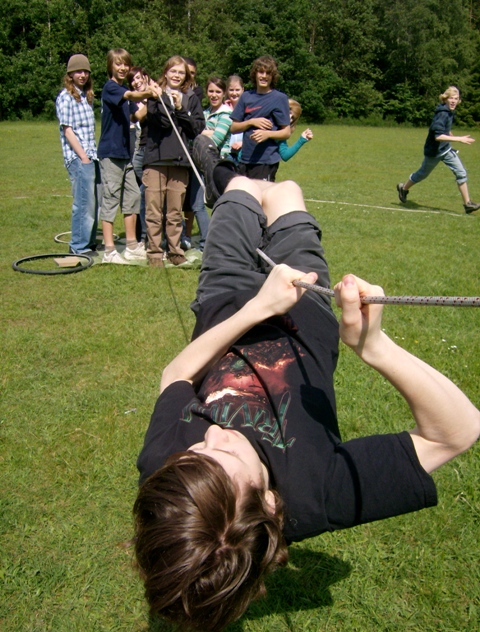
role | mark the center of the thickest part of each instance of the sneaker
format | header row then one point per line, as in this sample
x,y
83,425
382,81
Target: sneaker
x,y
185,244
135,254
113,257
224,171
206,156
402,194
178,260
470,207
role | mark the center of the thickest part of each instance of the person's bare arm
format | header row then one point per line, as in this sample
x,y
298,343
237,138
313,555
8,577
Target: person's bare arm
x,y
276,296
132,95
141,113
259,123
466,140
283,133
75,144
447,423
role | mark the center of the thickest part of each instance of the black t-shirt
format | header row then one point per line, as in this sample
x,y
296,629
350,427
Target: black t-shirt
x,y
275,386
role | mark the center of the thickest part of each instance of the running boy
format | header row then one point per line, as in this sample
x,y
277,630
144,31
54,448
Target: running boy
x,y
263,116
243,453
437,148
118,177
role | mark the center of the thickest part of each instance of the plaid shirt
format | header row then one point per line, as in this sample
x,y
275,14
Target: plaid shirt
x,y
78,116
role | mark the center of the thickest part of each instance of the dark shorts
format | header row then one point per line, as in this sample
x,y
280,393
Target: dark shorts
x,y
259,172
230,261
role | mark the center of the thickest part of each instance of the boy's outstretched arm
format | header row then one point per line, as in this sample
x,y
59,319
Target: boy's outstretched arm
x,y
447,423
275,297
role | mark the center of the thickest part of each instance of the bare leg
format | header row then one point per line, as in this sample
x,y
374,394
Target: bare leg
x,y
409,183
463,188
276,198
282,198
130,227
107,230
242,183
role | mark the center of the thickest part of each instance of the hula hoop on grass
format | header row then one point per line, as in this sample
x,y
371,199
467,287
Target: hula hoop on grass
x,y
59,239
88,261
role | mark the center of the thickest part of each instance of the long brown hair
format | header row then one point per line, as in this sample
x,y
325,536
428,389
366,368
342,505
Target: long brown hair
x,y
203,553
71,89
175,61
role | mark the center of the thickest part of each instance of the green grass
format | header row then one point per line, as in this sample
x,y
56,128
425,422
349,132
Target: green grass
x,y
80,351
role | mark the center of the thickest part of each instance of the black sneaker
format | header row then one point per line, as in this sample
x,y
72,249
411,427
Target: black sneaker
x,y
206,156
402,194
470,207
224,171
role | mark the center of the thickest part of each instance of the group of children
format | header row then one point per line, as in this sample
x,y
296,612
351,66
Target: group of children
x,y
249,128
244,454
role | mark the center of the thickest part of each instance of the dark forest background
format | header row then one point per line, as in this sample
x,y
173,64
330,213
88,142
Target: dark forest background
x,y
377,61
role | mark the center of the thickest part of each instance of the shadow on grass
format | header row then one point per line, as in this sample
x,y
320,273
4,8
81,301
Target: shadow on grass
x,y
303,585
423,207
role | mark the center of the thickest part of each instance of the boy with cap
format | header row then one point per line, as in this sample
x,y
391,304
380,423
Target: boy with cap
x,y
74,106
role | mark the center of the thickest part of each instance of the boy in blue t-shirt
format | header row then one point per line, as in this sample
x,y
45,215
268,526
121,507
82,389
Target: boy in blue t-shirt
x,y
263,116
118,177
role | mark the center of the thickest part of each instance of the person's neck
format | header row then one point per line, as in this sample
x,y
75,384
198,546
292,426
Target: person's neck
x,y
120,83
261,90
266,474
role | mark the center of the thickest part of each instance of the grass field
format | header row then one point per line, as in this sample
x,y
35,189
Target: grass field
x,y
81,357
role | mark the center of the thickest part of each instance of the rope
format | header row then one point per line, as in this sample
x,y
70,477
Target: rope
x,y
199,178
175,302
452,301
187,153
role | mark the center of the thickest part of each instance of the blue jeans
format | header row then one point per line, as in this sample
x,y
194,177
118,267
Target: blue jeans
x,y
86,192
429,163
197,204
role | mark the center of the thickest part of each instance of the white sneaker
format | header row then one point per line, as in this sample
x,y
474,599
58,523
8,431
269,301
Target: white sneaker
x,y
113,257
135,254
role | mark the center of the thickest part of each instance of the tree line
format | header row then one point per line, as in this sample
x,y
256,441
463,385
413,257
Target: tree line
x,y
368,60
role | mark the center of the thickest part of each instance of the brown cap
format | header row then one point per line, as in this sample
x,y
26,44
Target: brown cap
x,y
78,62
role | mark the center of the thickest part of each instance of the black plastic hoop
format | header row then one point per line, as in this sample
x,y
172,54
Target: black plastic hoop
x,y
16,264
58,239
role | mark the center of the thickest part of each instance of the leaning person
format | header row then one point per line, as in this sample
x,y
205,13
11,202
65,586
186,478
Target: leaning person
x,y
243,454
437,148
74,106
173,121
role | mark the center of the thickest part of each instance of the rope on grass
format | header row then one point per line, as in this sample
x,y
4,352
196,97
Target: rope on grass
x,y
451,301
184,329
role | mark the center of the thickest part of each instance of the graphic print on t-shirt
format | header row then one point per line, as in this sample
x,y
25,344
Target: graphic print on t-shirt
x,y
250,389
